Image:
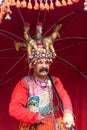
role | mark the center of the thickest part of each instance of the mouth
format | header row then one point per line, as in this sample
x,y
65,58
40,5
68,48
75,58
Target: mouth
x,y
44,72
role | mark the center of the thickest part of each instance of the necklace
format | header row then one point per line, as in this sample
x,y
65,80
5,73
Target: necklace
x,y
41,84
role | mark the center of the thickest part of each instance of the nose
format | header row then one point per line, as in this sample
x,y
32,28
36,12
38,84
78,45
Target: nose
x,y
44,64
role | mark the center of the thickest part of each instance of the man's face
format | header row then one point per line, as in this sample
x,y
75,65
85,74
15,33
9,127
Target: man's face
x,y
41,68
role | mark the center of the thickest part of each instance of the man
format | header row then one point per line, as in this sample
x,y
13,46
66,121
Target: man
x,y
34,102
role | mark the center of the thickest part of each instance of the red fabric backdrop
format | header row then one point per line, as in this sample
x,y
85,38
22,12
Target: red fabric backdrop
x,y
73,80
70,66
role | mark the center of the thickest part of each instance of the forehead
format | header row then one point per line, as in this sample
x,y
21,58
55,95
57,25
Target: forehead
x,y
42,60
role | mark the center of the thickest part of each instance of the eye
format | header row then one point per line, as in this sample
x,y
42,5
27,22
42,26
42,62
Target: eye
x,y
48,62
39,62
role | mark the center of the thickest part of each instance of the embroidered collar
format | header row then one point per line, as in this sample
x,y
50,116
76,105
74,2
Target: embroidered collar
x,y
42,84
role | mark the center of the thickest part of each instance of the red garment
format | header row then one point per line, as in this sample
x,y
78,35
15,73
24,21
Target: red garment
x,y
17,106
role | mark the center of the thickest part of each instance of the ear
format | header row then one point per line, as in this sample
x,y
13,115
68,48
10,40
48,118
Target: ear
x,y
30,67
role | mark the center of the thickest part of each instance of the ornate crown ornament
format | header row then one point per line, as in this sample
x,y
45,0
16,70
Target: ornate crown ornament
x,y
39,47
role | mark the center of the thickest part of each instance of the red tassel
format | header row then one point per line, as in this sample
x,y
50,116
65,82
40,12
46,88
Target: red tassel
x,y
64,3
69,2
42,6
58,3
29,5
1,17
75,1
46,5
12,2
23,4
51,5
36,6
18,4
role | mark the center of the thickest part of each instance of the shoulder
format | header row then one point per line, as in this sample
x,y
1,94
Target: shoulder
x,y
24,81
55,78
26,78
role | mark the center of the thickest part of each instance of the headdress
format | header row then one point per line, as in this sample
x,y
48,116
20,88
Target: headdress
x,y
39,48
39,28
41,53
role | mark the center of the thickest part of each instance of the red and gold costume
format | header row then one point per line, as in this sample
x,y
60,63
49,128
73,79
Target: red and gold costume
x,y
29,87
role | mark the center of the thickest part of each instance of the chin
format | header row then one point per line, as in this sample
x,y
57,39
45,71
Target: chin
x,y
44,73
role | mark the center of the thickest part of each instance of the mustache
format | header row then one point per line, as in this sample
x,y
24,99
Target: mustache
x,y
43,69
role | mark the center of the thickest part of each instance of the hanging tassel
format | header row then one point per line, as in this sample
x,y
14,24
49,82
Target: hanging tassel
x,y
75,1
8,17
46,5
85,5
42,6
69,2
23,4
12,2
8,13
58,3
3,8
18,4
6,2
36,5
0,21
51,5
1,17
29,5
64,3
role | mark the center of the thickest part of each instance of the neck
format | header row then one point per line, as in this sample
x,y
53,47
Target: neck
x,y
40,78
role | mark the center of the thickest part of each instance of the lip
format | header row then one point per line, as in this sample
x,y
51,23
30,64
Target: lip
x,y
43,72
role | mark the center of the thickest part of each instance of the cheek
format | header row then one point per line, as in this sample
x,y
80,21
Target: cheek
x,y
48,66
36,68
